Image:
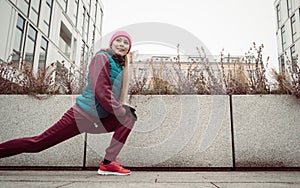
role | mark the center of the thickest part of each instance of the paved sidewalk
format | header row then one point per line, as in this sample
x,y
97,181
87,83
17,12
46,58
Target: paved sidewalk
x,y
145,179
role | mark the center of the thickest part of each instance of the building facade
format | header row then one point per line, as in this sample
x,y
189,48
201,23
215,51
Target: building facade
x,y
288,32
37,33
150,70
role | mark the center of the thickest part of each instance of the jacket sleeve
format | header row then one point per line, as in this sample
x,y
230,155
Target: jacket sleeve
x,y
99,72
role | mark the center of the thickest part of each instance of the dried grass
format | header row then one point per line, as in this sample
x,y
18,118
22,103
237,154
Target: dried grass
x,y
55,79
200,77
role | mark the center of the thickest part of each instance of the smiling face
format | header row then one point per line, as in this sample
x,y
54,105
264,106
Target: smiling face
x,y
120,45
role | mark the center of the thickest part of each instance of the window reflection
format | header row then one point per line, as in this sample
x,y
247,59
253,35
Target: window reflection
x,y
43,54
24,6
46,18
17,45
30,47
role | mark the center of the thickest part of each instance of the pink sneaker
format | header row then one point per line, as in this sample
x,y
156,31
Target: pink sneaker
x,y
113,168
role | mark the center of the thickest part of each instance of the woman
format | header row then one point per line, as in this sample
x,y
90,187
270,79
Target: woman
x,y
99,109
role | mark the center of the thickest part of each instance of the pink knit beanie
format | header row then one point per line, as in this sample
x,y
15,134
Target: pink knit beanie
x,y
118,34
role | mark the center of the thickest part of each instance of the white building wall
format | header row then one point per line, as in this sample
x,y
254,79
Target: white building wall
x,y
285,20
8,19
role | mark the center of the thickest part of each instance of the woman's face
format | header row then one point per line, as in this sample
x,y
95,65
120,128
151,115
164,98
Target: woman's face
x,y
120,46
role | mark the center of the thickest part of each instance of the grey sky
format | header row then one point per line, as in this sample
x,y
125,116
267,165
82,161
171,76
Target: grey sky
x,y
230,24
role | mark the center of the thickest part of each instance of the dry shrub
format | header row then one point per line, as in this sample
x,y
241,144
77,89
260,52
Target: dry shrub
x,y
288,81
55,79
245,76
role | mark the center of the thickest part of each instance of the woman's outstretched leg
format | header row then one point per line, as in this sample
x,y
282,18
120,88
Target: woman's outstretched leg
x,y
64,129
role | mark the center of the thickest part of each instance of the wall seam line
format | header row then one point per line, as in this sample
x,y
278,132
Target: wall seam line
x,y
232,133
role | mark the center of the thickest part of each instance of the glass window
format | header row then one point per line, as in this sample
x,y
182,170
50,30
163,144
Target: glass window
x,y
43,54
282,64
74,49
278,15
86,27
289,7
86,53
94,33
293,53
293,24
46,18
294,58
65,39
84,57
17,45
85,24
30,47
82,54
18,40
20,22
83,20
34,17
283,38
24,6
34,11
32,33
75,15
44,43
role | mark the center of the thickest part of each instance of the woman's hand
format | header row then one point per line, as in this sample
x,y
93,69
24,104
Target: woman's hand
x,y
130,110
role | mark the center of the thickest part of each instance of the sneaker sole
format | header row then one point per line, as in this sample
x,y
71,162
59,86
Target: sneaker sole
x,y
108,173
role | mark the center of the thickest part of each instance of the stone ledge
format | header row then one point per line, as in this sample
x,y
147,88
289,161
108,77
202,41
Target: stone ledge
x,y
24,116
172,131
266,131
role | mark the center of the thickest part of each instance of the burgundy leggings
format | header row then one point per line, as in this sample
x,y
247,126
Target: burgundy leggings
x,y
71,124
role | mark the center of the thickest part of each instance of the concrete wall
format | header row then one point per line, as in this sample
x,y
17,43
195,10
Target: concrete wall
x,y
181,131
23,116
171,131
266,131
